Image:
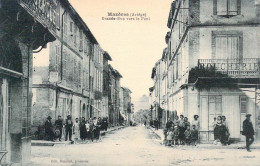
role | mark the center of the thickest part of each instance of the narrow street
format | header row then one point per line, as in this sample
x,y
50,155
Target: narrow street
x,y
138,146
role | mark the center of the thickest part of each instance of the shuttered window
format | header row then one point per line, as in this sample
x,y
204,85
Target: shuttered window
x,y
227,7
243,104
227,47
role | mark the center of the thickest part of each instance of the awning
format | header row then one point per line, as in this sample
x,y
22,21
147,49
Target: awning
x,y
123,115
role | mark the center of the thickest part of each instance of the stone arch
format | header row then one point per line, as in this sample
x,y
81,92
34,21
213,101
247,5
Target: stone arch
x,y
11,56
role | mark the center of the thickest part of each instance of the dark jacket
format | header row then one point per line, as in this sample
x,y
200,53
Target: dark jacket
x,y
248,129
68,124
169,124
48,126
59,123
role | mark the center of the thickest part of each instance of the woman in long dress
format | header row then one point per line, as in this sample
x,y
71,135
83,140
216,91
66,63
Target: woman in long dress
x,y
83,131
76,130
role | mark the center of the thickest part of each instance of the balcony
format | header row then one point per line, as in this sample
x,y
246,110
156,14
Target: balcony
x,y
45,12
235,68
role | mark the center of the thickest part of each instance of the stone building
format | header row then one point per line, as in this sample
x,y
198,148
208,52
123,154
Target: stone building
x,y
106,83
125,105
212,66
113,96
156,95
97,106
24,27
68,83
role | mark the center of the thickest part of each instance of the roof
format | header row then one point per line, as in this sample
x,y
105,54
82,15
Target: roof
x,y
107,56
153,72
172,10
125,88
164,53
78,19
115,72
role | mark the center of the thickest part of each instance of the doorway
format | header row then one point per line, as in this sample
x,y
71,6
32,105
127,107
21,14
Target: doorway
x,y
5,112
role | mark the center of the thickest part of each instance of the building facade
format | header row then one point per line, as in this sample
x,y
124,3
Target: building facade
x,y
125,105
113,96
212,66
66,85
22,31
106,83
76,80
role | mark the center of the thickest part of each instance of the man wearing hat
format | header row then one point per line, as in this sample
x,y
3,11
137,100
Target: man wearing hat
x,y
248,131
68,128
48,129
196,122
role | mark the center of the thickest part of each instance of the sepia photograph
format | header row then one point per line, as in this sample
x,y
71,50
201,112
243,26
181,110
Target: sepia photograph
x,y
129,82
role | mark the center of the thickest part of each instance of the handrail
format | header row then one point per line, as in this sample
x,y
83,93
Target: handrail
x,y
232,67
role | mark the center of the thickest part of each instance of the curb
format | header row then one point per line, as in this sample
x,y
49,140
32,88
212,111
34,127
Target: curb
x,y
157,135
104,132
39,143
45,143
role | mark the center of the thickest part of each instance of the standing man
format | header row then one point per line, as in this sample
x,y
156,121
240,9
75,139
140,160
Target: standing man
x,y
248,131
68,128
49,129
156,123
59,125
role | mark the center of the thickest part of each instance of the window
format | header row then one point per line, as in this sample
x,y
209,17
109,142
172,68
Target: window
x,y
57,16
177,67
57,57
64,66
65,24
85,45
71,27
75,35
227,7
80,40
79,74
227,47
75,71
243,104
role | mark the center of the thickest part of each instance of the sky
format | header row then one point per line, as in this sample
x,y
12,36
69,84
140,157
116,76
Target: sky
x,y
134,46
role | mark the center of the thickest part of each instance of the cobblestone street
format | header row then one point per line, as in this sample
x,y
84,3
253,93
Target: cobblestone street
x,y
138,146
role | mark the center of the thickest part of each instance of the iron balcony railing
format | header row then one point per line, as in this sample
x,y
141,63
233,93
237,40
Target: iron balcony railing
x,y
248,67
46,12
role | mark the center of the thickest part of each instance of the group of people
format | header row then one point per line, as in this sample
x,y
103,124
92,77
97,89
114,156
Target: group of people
x,y
84,130
155,123
220,130
181,132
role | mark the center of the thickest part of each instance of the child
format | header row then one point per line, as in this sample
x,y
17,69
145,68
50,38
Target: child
x,y
165,131
187,135
169,137
194,135
176,134
88,131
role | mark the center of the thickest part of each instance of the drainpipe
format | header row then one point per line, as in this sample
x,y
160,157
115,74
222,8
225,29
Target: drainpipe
x,y
61,66
61,48
89,82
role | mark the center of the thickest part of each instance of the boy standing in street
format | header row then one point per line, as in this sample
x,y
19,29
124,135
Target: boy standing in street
x,y
194,135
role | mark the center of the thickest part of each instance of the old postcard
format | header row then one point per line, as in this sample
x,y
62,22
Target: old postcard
x,y
130,82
